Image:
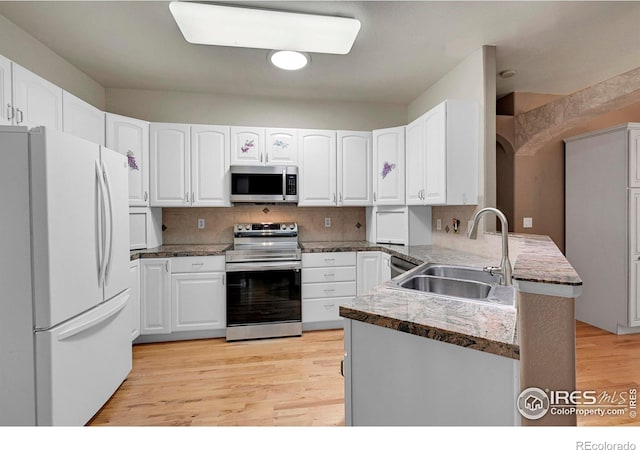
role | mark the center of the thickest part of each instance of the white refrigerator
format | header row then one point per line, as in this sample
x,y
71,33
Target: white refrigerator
x,y
65,343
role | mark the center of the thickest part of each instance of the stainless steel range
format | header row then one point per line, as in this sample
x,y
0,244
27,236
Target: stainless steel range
x,y
264,291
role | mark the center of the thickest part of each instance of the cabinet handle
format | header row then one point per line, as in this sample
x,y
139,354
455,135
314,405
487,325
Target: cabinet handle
x,y
193,197
166,266
146,195
21,117
10,112
267,158
340,197
260,157
334,197
374,197
186,197
342,367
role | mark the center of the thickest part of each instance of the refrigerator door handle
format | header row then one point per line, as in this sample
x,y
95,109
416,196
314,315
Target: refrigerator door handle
x,y
101,235
110,257
117,307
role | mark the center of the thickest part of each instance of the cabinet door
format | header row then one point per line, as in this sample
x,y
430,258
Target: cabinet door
x,y
415,162
281,147
131,138
634,158
198,301
247,146
6,104
134,298
634,256
82,119
317,155
385,267
37,102
436,156
388,166
354,168
368,270
155,290
170,179
209,165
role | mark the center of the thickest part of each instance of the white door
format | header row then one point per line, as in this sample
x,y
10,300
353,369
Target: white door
x,y
436,154
281,147
131,138
37,102
198,301
210,165
155,296
117,222
634,158
368,270
81,363
66,225
415,162
134,298
247,146
317,154
354,168
388,166
138,218
82,119
7,110
170,164
634,254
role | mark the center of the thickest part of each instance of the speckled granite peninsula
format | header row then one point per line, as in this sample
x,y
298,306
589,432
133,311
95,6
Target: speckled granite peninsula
x,y
170,251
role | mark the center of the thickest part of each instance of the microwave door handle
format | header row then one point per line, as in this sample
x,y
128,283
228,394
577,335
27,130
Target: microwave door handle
x,y
284,184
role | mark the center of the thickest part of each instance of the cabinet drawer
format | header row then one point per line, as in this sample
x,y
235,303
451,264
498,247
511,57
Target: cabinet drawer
x,y
328,274
323,310
328,259
188,264
328,290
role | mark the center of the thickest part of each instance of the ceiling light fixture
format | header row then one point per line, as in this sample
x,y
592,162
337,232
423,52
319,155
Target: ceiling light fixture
x,y
288,60
258,28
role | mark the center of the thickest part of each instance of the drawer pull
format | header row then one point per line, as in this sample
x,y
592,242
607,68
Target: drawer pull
x,y
329,306
329,259
197,264
329,274
329,290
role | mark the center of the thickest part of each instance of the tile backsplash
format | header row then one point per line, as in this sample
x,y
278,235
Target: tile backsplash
x,y
347,223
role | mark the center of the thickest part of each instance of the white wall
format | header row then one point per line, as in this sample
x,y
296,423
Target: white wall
x,y
223,109
31,54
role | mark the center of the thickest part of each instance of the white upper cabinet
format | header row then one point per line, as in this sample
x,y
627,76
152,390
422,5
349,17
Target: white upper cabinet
x,y
82,119
170,151
415,157
354,168
6,102
317,157
36,101
281,147
247,146
388,166
442,155
209,165
131,138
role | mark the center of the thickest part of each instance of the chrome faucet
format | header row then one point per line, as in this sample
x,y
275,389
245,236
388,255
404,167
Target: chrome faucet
x,y
505,265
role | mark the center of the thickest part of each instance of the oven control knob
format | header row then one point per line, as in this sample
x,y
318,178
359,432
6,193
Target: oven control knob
x,y
283,226
239,227
247,227
292,226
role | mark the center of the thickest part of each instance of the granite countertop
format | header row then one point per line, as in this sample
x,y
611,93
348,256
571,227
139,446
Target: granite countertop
x,y
171,251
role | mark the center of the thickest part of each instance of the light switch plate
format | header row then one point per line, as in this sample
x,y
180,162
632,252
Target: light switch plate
x,y
327,222
439,224
200,224
527,222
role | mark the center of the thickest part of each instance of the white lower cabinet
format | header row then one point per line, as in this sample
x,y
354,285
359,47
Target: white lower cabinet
x,y
155,296
328,281
198,299
134,298
374,268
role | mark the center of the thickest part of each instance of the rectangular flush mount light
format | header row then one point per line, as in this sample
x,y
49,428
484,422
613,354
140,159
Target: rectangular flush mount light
x,y
257,28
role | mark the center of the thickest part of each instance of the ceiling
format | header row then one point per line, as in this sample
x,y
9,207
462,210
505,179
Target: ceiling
x,y
402,48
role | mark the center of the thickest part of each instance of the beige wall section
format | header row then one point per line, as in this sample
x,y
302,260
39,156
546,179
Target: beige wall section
x,y
473,79
182,223
223,109
539,179
31,54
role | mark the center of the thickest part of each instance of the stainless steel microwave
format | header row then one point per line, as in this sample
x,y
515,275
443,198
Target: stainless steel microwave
x,y
264,184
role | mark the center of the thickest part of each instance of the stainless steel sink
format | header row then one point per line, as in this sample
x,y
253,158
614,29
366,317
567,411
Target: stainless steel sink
x,y
458,282
447,286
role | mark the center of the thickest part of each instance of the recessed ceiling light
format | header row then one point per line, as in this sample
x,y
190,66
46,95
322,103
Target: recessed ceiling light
x,y
507,73
258,28
288,60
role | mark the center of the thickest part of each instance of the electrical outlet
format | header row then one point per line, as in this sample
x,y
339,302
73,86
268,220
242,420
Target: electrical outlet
x,y
439,224
327,222
200,224
527,222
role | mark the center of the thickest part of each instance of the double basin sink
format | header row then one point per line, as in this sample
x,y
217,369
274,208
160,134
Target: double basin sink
x,y
459,282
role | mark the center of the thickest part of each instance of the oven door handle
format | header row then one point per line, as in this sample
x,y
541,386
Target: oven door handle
x,y
263,266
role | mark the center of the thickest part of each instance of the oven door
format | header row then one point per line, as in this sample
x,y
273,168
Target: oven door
x,y
263,293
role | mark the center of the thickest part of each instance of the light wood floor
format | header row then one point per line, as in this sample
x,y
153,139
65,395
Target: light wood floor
x,y
297,381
